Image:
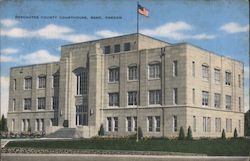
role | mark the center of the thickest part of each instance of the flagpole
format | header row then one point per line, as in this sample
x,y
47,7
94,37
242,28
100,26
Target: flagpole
x,y
138,93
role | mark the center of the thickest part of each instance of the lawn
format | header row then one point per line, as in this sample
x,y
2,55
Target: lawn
x,y
215,147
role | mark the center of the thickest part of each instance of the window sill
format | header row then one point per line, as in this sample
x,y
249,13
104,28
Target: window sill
x,y
113,82
134,80
205,80
151,79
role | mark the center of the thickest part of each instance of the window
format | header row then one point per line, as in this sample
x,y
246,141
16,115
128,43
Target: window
x,y
217,100
107,50
132,73
27,104
217,75
13,125
239,103
14,105
217,124
175,96
127,46
113,99
23,125
129,124
174,124
113,74
55,81
154,97
228,102
117,48
158,123
150,123
175,68
115,123
206,124
228,78
81,115
55,103
205,74
134,124
228,125
28,83
193,96
112,124
37,125
154,123
205,98
41,103
41,81
42,124
132,98
109,124
81,83
194,123
239,80
193,69
28,125
14,84
154,71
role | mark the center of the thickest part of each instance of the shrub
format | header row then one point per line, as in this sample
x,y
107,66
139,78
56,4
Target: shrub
x,y
140,134
66,123
101,131
223,134
235,133
189,134
181,134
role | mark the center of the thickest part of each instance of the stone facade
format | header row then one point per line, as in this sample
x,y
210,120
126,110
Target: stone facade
x,y
174,85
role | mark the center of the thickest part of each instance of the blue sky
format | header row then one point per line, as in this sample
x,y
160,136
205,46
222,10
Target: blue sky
x,y
218,26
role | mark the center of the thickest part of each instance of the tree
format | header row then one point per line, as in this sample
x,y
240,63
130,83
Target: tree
x,y
181,134
235,133
189,134
223,134
140,134
101,131
3,124
247,123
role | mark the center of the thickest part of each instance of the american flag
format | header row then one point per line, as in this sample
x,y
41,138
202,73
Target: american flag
x,y
143,11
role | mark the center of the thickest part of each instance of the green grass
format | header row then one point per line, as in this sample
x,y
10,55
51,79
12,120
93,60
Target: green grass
x,y
216,147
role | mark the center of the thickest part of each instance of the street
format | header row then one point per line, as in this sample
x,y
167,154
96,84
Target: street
x,y
96,157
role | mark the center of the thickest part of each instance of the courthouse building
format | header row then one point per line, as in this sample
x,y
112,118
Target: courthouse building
x,y
160,87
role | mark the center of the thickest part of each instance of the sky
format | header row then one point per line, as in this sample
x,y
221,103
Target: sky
x,y
32,31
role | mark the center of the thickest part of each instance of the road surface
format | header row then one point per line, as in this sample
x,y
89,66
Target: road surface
x,y
97,157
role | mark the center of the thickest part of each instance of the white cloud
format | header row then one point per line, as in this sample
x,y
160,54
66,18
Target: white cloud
x,y
50,31
9,51
5,59
107,33
8,22
16,33
203,36
174,30
40,56
234,27
4,94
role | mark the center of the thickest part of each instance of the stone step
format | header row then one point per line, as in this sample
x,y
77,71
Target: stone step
x,y
63,133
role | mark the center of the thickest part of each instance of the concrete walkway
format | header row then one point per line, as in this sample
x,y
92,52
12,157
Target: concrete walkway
x,y
98,157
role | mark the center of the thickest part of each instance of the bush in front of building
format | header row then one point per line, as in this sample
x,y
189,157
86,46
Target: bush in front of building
x,y
235,133
247,123
223,134
66,123
140,134
181,134
101,130
189,134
